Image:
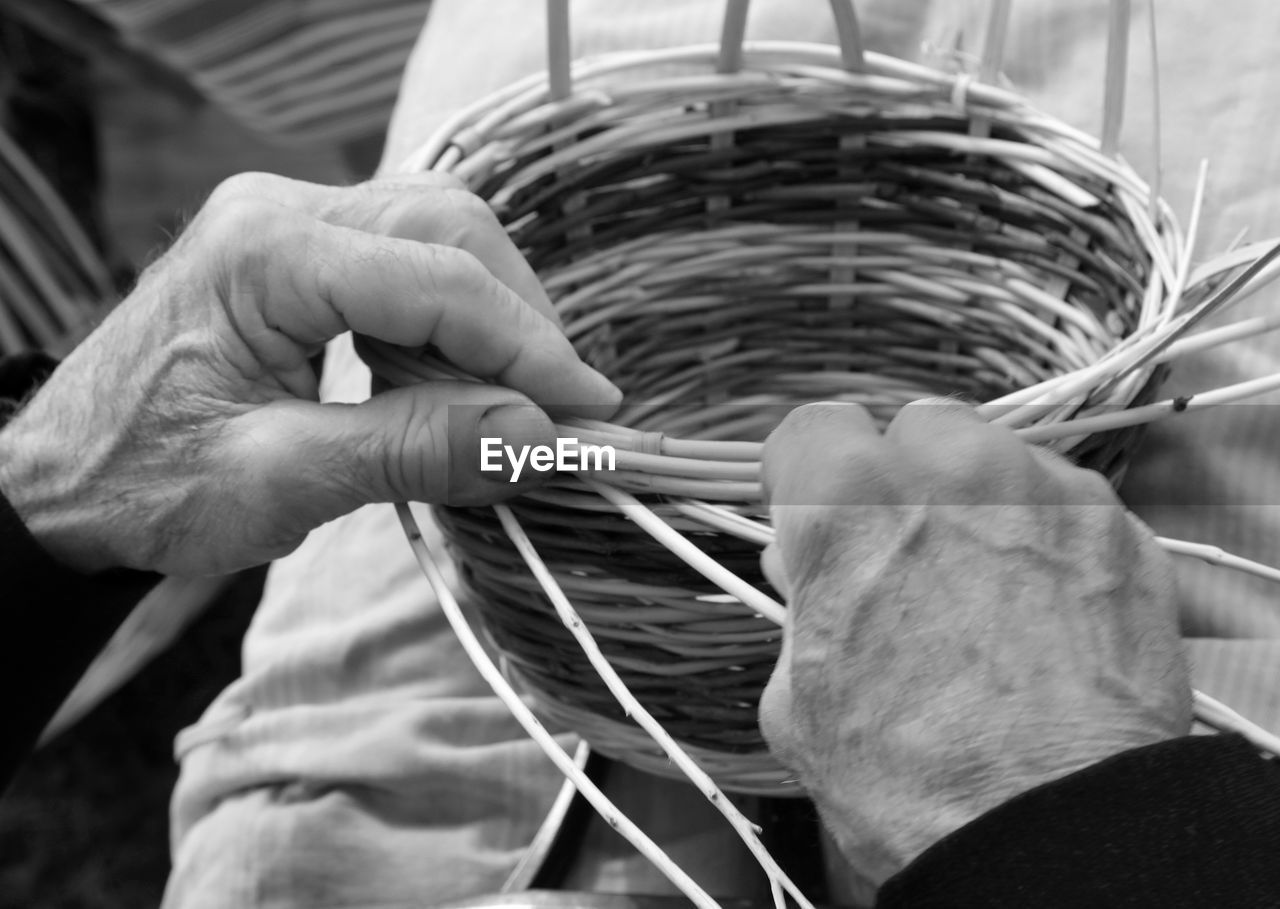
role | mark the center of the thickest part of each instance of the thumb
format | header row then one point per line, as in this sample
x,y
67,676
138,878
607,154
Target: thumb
x,y
776,712
775,572
417,443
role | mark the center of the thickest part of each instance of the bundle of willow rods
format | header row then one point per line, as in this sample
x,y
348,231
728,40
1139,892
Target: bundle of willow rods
x,y
731,231
52,280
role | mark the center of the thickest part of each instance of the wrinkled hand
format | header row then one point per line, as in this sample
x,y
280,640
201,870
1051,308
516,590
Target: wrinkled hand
x,y
185,436
969,618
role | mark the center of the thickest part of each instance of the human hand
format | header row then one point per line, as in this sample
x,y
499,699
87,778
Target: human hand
x,y
969,617
185,436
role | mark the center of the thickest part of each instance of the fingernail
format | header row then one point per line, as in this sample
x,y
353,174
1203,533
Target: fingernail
x,y
600,398
606,393
513,435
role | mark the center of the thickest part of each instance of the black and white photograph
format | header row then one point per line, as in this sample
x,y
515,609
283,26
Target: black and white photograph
x,y
639,454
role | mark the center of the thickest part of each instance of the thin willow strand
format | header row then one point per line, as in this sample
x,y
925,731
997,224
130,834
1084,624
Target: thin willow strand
x,y
533,726
1215,555
691,555
1218,715
746,831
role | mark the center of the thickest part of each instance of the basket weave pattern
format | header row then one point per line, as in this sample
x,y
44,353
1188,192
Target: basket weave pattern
x,y
726,246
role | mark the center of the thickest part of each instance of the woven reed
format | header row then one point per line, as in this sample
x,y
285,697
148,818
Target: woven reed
x,y
728,245
53,282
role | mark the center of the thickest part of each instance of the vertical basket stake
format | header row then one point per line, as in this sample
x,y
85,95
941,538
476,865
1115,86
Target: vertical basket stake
x,y
853,60
993,43
1157,131
1117,74
559,50
852,55
993,46
845,249
733,34
732,38
560,87
995,37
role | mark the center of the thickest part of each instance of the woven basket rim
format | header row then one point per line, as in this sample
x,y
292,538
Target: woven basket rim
x,y
523,119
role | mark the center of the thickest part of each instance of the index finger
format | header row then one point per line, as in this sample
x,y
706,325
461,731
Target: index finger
x,y
313,281
817,455
428,207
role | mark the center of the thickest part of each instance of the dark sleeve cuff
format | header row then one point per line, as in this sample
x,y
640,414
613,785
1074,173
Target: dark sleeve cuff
x,y
21,374
1192,822
53,622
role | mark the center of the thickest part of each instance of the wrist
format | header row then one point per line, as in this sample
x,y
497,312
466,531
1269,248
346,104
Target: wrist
x,y
889,818
880,836
39,478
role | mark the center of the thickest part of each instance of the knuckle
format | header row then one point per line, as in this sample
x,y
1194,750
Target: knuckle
x,y
447,180
928,417
808,418
255,249
447,273
822,457
822,542
234,241
1083,486
467,205
981,460
370,207
1068,483
411,456
867,475
248,185
812,434
240,224
467,216
816,534
422,457
775,718
420,181
442,215
984,442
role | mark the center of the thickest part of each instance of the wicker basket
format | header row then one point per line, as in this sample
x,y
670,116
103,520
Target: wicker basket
x,y
730,231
